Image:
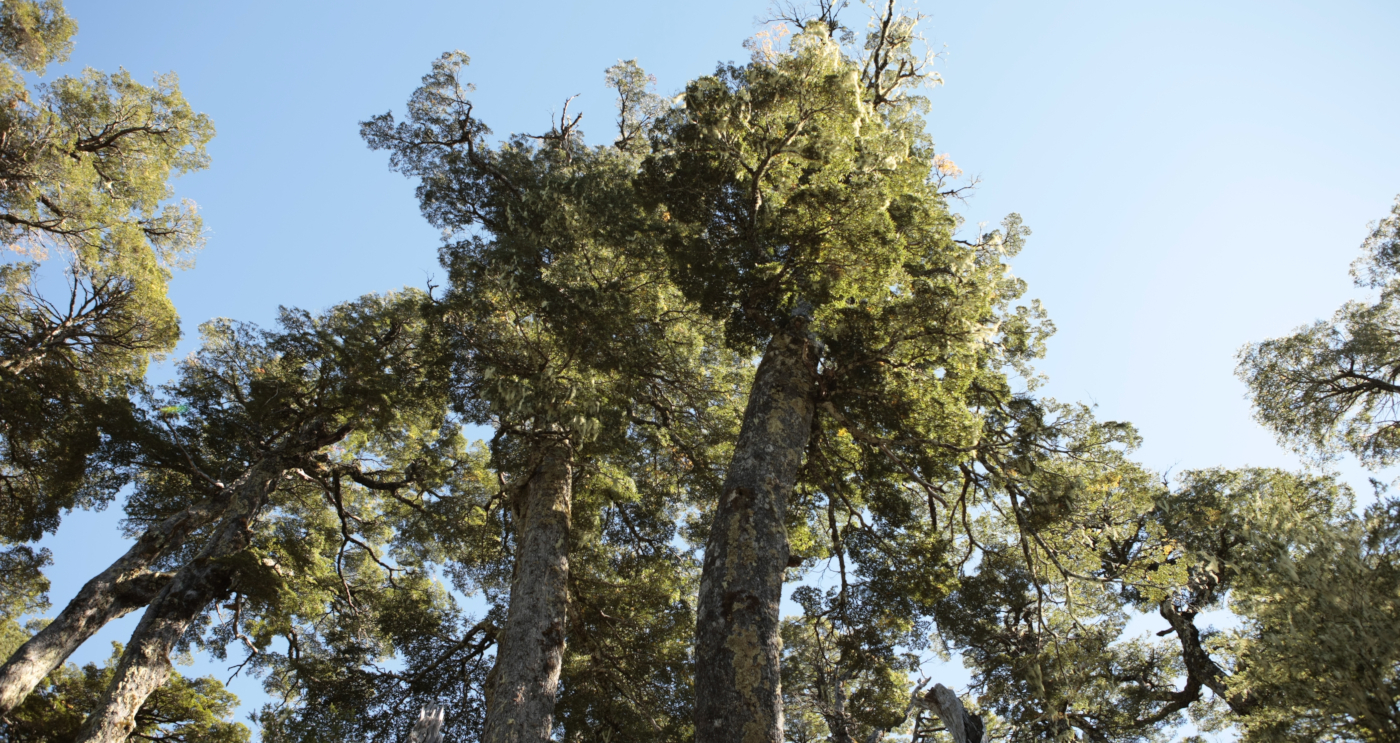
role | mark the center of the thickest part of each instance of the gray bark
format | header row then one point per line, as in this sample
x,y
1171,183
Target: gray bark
x,y
126,585
145,664
428,729
738,698
521,687
961,726
840,723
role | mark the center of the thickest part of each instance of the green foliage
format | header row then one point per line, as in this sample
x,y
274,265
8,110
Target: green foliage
x,y
1318,650
563,324
184,709
85,164
637,107
613,298
627,673
33,34
1330,387
1319,647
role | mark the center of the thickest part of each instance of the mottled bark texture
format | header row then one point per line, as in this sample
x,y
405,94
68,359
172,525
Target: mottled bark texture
x,y
125,586
520,689
962,727
145,664
737,694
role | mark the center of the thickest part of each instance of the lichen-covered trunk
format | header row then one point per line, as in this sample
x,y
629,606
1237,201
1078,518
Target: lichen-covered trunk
x,y
521,687
145,664
125,586
738,698
840,722
101,600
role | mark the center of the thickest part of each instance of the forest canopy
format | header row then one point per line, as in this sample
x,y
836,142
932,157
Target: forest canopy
x,y
745,350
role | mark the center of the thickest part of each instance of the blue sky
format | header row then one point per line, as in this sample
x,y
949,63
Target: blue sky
x,y
1197,175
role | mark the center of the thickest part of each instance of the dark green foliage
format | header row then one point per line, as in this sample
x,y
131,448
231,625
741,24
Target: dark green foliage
x,y
23,591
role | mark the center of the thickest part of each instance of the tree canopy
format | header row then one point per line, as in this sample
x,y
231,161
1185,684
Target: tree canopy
x,y
743,351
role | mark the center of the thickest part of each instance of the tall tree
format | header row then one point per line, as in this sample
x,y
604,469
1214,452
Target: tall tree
x,y
1327,389
85,170
568,338
805,210
249,409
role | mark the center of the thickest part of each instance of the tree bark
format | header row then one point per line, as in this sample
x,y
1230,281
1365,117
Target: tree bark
x,y
1200,667
737,694
126,585
961,726
521,687
145,664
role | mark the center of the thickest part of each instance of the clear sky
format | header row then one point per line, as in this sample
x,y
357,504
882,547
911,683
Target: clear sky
x,y
1197,175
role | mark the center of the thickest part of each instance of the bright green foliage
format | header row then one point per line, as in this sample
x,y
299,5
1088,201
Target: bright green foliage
x,y
33,34
637,107
805,180
1331,387
85,165
782,183
184,709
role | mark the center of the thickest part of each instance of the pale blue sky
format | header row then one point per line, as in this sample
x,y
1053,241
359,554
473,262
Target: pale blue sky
x,y
1197,174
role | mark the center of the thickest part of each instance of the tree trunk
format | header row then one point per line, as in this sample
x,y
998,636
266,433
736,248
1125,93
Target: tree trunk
x,y
126,585
521,687
737,694
962,726
1200,668
145,664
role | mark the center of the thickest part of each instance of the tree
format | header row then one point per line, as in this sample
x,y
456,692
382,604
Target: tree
x,y
85,165
1330,388
210,458
567,335
805,212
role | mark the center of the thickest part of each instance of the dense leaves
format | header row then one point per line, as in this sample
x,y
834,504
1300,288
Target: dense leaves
x,y
308,505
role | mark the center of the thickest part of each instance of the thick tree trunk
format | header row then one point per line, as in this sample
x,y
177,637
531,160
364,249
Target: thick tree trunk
x,y
126,585
145,664
521,687
737,694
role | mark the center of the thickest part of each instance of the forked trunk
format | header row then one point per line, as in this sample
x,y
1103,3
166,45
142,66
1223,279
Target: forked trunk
x,y
101,600
737,694
145,664
125,586
521,687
